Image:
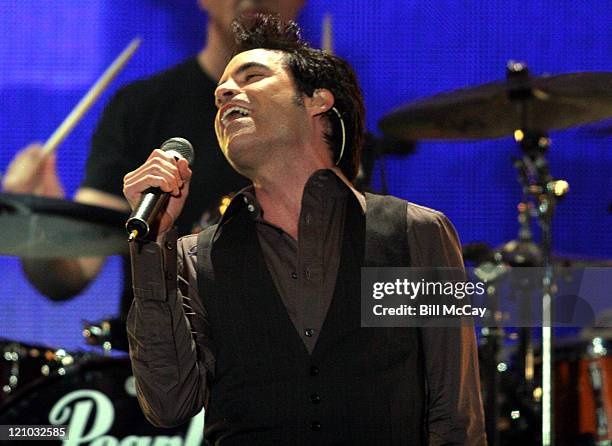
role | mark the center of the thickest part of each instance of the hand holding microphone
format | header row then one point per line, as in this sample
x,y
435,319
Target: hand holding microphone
x,y
157,190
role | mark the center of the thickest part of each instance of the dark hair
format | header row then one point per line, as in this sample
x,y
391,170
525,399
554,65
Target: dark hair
x,y
312,69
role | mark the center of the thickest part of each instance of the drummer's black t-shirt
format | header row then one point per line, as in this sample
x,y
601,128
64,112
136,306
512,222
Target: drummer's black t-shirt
x,y
139,118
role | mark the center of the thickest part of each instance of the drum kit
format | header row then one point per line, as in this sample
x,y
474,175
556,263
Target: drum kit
x,y
552,397
95,394
92,393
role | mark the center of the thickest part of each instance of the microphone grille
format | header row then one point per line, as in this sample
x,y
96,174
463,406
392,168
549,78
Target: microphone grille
x,y
181,146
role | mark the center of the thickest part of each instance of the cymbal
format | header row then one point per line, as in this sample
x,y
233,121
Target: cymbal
x,y
40,227
485,111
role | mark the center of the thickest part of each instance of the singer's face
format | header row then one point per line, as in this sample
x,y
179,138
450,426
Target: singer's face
x,y
260,115
222,12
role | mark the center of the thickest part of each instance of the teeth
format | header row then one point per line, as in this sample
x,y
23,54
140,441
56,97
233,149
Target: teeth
x,y
235,108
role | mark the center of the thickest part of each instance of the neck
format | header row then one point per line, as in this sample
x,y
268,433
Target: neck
x,y
280,194
281,200
215,55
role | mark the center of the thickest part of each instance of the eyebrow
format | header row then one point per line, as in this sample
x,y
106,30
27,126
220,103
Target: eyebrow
x,y
247,66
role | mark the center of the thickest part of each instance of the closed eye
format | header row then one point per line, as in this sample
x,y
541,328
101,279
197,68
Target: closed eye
x,y
249,77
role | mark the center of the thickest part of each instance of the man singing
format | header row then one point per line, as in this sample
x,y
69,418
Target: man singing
x,y
257,319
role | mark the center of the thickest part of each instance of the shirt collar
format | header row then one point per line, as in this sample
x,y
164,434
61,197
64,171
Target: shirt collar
x,y
245,201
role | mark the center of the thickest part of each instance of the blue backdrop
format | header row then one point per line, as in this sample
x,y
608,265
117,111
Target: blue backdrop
x,y
51,52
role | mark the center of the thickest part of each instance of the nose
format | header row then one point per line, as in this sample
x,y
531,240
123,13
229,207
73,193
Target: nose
x,y
225,92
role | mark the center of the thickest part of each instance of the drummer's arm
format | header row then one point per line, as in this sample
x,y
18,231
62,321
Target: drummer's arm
x,y
63,278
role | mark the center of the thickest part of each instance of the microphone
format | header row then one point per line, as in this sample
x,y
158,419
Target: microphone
x,y
154,199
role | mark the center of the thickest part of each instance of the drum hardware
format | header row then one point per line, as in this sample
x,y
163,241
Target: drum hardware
x,y
489,110
96,399
538,185
43,227
526,107
109,334
507,394
540,193
374,150
597,350
583,405
98,334
523,252
492,341
22,364
508,390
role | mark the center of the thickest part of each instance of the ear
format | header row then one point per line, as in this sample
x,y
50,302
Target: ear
x,y
322,100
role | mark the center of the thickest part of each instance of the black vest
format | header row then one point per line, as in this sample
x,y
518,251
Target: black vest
x,y
359,386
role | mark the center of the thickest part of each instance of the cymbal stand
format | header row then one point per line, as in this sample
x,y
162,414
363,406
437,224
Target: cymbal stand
x,y
492,339
544,192
522,252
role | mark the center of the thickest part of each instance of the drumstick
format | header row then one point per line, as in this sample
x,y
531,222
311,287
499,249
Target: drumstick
x,y
90,97
327,40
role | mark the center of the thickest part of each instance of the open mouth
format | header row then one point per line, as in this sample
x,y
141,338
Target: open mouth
x,y
233,113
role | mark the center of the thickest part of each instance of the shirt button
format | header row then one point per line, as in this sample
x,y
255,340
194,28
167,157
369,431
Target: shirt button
x,y
314,371
294,275
315,426
309,332
315,398
169,246
251,208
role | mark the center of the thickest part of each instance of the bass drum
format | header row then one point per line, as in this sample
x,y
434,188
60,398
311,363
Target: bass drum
x,y
97,401
583,393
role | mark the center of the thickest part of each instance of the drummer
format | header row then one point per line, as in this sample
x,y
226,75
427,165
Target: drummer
x,y
176,102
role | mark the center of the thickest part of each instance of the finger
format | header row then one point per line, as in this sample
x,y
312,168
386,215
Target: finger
x,y
49,162
184,170
28,158
133,190
33,148
155,167
172,180
168,166
143,167
50,185
158,153
171,173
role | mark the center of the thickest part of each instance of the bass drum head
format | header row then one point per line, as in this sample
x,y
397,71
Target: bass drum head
x,y
97,401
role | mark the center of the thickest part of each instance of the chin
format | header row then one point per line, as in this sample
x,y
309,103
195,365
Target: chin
x,y
238,156
242,166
